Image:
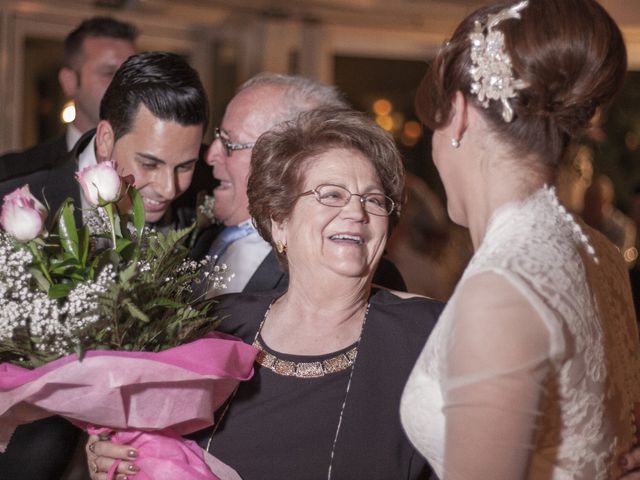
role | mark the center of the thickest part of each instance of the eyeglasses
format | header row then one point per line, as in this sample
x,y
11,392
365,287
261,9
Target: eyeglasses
x,y
228,146
337,196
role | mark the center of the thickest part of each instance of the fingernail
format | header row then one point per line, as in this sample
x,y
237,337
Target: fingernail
x,y
133,468
132,454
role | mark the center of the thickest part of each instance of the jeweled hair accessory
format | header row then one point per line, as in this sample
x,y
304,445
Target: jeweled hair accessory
x,y
491,65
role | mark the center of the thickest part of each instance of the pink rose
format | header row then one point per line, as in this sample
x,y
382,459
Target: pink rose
x,y
22,214
100,183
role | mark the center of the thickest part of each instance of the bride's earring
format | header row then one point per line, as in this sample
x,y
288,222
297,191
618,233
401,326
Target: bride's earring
x,y
455,143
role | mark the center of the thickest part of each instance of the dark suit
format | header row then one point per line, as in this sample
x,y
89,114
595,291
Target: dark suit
x,y
38,157
55,182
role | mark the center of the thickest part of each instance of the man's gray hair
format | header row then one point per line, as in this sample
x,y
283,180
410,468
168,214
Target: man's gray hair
x,y
300,94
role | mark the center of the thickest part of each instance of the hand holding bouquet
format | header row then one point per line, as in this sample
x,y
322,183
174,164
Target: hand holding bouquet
x,y
98,326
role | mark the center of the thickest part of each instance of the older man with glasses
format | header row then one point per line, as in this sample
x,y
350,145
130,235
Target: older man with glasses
x,y
260,104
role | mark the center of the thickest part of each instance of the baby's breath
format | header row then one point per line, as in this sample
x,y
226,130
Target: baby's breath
x,y
139,304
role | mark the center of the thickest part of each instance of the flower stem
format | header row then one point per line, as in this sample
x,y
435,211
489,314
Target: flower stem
x,y
108,208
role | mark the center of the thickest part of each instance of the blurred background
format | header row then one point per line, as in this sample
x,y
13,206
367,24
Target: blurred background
x,y
376,51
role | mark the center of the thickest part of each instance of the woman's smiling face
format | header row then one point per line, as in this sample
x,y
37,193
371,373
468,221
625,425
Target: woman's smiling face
x,y
347,240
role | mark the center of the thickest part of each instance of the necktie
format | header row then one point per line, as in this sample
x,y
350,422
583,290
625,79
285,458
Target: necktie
x,y
227,237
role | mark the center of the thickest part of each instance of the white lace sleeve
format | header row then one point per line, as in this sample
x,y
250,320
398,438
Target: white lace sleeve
x,y
495,363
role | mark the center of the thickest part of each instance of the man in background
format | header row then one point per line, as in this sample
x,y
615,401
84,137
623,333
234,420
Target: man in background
x,y
92,54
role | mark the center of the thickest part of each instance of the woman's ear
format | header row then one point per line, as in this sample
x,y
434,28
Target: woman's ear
x,y
279,231
459,115
105,141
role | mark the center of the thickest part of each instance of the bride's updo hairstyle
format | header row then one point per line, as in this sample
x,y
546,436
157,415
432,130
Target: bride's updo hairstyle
x,y
570,56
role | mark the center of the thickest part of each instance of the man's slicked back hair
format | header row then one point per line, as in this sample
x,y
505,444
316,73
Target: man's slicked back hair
x,y
164,83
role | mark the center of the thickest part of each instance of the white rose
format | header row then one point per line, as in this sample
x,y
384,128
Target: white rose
x,y
22,215
100,183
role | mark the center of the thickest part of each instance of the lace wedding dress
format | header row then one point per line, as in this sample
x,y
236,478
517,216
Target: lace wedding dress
x,y
532,370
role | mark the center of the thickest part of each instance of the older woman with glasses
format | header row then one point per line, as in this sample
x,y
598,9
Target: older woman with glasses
x,y
335,351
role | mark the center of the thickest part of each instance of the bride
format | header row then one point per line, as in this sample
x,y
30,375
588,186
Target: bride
x,y
532,369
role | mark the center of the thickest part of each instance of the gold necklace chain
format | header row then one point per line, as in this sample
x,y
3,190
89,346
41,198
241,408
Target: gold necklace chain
x,y
337,363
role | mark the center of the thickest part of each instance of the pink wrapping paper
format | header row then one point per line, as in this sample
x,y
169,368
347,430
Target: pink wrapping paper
x,y
163,455
176,390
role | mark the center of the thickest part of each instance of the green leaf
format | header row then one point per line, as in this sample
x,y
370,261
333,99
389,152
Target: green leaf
x,y
68,231
135,311
83,244
138,211
80,352
41,280
56,217
127,274
113,257
60,267
39,241
122,243
60,290
163,302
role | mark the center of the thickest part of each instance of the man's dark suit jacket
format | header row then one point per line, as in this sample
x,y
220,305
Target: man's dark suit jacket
x,y
270,276
55,182
38,157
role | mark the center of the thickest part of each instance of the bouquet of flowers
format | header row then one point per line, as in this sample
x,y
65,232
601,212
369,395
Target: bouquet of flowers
x,y
98,323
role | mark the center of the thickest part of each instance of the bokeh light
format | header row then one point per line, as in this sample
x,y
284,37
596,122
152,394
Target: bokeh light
x,y
631,141
411,133
68,114
382,107
385,121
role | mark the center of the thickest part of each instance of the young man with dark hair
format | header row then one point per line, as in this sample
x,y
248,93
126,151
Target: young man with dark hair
x,y
152,120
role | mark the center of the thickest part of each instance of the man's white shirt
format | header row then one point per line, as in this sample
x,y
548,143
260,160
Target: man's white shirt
x,y
87,158
242,257
72,136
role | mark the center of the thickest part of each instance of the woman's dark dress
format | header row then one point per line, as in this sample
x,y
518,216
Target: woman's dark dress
x,y
280,427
